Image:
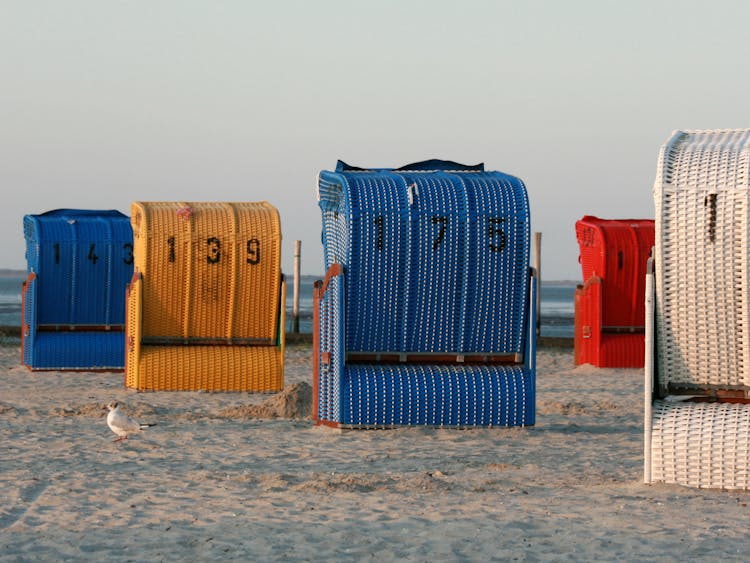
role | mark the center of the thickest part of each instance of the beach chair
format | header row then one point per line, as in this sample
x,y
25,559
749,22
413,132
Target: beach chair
x,y
205,307
697,412
425,313
609,305
79,263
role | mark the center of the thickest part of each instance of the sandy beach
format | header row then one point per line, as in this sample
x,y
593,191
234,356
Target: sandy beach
x,y
235,476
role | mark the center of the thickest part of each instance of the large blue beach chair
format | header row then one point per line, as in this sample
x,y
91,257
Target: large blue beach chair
x,y
79,263
424,316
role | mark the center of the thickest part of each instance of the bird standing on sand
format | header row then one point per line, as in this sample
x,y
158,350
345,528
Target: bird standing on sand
x,y
121,424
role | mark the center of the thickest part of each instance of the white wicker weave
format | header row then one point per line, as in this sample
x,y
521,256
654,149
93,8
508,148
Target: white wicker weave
x,y
701,196
702,309
701,444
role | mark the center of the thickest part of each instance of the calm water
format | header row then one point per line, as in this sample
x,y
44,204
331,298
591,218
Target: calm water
x,y
556,303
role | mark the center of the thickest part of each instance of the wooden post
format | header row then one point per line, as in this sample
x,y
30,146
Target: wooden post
x,y
295,309
538,267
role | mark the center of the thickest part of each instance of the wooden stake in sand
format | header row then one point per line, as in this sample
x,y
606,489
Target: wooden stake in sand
x,y
297,261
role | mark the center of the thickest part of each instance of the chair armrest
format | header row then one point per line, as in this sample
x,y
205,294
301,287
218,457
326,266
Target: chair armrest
x,y
321,287
28,312
592,295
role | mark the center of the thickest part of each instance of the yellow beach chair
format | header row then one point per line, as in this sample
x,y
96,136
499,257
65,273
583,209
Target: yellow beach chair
x,y
205,308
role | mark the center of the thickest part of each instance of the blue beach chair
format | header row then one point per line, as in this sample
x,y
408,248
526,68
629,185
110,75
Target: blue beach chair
x,y
79,263
424,316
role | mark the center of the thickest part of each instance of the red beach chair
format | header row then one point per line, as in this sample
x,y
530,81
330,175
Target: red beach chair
x,y
609,306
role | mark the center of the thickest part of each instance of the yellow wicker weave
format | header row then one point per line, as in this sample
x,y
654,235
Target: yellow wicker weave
x,y
210,368
205,309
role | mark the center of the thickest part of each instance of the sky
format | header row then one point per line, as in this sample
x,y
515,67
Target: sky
x,y
103,103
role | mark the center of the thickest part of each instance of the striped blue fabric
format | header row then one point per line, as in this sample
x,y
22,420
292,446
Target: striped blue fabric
x,y
79,350
437,395
435,261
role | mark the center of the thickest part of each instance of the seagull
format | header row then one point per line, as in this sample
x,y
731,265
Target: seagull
x,y
121,424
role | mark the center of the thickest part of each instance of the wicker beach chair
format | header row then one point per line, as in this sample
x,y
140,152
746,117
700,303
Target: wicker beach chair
x,y
205,308
423,317
79,263
609,305
697,412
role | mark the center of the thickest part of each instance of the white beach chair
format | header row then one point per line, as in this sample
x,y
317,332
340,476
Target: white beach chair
x,y
697,371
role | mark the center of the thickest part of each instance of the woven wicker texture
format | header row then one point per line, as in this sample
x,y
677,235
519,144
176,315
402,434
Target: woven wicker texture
x,y
436,395
79,263
701,444
702,287
207,269
424,262
205,309
329,365
442,256
209,368
616,250
700,311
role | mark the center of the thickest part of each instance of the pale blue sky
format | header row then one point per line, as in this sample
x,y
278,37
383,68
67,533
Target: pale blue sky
x,y
104,102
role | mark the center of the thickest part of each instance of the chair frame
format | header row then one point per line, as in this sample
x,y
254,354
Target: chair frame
x,y
697,412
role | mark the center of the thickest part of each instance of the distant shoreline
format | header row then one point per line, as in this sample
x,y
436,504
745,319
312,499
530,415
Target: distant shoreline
x,y
10,273
5,273
10,331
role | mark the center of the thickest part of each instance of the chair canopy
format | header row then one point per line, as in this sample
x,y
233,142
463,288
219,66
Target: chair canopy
x,y
82,261
702,268
617,250
435,255
211,270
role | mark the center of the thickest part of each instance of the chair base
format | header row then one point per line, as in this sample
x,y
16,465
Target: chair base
x,y
207,368
705,445
389,395
74,351
614,351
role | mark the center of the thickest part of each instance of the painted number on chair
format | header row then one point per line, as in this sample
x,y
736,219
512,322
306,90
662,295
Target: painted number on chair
x,y
92,255
253,251
442,225
497,240
214,250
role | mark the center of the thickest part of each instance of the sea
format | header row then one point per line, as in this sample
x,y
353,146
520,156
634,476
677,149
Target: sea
x,y
556,303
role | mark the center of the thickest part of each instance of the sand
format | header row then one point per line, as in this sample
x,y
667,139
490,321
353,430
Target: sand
x,y
235,476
